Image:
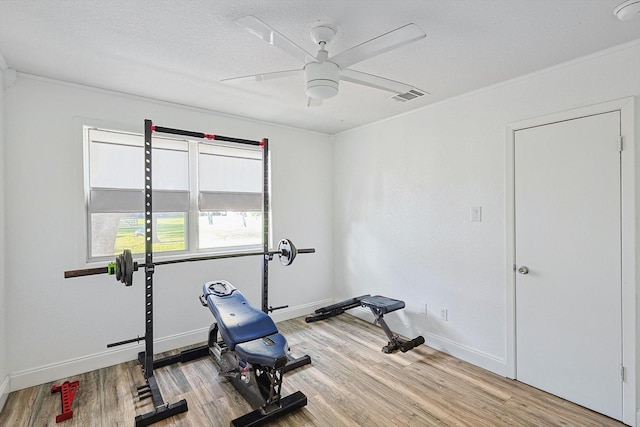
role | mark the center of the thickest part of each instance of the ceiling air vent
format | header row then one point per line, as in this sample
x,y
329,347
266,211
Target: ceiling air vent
x,y
408,96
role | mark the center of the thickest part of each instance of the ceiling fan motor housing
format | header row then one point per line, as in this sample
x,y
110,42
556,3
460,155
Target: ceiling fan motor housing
x,y
321,79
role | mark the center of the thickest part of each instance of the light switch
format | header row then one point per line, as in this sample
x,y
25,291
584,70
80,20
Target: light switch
x,y
476,213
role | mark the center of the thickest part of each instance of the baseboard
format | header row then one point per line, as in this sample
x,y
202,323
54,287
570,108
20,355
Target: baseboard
x,y
473,356
125,353
4,391
69,368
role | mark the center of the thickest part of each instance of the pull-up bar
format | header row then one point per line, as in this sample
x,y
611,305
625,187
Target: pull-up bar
x,y
181,132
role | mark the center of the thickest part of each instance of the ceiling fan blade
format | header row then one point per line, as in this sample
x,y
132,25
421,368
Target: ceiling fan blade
x,y
384,43
271,36
313,102
263,76
375,81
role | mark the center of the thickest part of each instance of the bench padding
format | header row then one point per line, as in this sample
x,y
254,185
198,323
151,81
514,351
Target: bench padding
x,y
267,351
383,304
238,321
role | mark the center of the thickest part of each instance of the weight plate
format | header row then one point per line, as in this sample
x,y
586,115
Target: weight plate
x,y
287,251
118,269
128,262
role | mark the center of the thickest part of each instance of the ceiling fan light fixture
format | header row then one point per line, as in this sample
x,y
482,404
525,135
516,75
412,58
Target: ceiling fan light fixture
x,y
322,89
321,80
627,10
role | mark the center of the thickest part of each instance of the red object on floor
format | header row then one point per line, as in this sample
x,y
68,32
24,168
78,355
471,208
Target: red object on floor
x,y
67,393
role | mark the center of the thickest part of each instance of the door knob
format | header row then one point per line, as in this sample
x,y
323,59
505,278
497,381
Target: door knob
x,y
523,270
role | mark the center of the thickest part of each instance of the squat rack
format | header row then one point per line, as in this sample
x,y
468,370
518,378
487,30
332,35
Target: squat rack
x,y
165,410
162,409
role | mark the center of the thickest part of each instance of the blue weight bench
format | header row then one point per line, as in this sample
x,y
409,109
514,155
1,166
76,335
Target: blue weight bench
x,y
379,306
246,345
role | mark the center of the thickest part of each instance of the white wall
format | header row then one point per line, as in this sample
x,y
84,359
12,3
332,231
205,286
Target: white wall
x,y
4,373
403,189
400,192
60,327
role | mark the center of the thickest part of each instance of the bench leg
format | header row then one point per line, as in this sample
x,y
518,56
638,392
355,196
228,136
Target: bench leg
x,y
395,342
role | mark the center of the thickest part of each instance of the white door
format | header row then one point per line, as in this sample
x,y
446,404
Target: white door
x,y
568,237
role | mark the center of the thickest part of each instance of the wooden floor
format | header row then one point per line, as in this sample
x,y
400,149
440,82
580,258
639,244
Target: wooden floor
x,y
350,383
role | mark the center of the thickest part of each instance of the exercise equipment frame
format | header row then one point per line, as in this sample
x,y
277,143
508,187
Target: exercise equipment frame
x,y
163,410
379,306
248,348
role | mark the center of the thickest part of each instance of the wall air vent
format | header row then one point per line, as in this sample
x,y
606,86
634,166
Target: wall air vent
x,y
408,96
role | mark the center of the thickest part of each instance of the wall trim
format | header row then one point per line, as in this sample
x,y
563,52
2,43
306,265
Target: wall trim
x,y
630,238
4,391
9,77
76,366
483,360
21,74
515,80
91,362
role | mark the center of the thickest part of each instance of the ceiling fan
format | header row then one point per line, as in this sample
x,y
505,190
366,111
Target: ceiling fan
x,y
322,73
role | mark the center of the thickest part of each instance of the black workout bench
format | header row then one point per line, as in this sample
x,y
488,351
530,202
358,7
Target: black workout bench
x,y
379,306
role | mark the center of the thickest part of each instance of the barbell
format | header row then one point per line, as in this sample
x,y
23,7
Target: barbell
x,y
124,265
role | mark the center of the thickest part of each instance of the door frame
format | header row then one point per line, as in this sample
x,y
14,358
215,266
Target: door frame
x,y
626,106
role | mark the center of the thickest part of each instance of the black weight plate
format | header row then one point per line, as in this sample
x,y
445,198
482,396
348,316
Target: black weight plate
x,y
118,269
128,262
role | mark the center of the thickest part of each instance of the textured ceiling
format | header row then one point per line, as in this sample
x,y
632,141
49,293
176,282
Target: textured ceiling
x,y
180,50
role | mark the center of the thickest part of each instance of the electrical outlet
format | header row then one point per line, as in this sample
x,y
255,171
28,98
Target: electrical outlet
x,y
444,314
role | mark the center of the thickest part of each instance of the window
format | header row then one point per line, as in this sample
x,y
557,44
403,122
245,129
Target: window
x,y
206,196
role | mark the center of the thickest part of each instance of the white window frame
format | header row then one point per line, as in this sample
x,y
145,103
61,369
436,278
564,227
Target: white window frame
x,y
164,198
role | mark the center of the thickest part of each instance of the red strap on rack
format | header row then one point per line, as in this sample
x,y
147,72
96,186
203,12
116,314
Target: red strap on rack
x,y
67,393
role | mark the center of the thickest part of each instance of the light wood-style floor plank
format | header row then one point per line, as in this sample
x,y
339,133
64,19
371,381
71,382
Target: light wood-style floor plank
x,y
350,383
